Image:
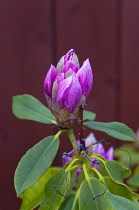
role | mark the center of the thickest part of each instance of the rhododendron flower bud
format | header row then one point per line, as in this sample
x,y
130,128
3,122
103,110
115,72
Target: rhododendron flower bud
x,y
66,87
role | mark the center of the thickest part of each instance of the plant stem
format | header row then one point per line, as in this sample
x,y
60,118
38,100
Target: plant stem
x,y
72,138
71,163
74,167
96,157
98,173
85,171
59,133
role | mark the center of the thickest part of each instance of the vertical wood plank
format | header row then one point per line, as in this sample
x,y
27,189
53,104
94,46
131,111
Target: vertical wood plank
x,y
25,58
130,64
90,27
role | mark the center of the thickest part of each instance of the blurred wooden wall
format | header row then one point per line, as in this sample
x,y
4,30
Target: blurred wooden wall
x,y
34,34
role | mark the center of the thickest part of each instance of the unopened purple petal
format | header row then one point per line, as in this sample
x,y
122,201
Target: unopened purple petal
x,y
74,94
109,154
49,79
85,77
68,73
59,77
60,65
63,85
70,65
69,93
68,55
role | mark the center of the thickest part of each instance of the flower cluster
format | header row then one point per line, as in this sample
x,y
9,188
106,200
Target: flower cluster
x,y
97,148
66,87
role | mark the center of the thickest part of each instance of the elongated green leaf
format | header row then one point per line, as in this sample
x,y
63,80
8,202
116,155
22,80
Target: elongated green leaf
x,y
119,189
89,189
115,129
122,190
114,170
52,198
134,180
27,107
71,203
87,115
120,203
35,194
35,163
135,198
73,183
81,178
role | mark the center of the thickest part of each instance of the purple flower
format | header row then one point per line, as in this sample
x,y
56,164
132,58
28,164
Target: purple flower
x,y
97,149
66,87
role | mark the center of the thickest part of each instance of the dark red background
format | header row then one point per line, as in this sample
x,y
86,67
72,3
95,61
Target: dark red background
x,y
34,34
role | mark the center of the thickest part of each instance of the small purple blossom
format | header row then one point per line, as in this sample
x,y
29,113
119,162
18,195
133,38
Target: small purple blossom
x,y
66,87
97,149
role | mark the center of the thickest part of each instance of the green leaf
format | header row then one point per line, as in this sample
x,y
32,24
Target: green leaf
x,y
134,179
87,115
71,203
124,158
89,189
114,129
122,190
118,188
27,107
120,203
135,198
35,163
34,195
114,170
52,198
73,183
81,178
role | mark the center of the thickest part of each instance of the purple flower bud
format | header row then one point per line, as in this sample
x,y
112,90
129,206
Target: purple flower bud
x,y
69,93
85,77
70,65
49,79
69,56
66,88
